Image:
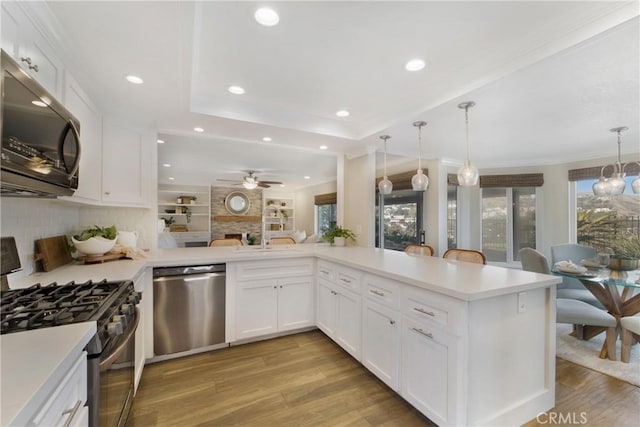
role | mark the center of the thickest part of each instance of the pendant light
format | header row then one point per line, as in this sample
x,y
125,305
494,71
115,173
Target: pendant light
x,y
467,174
385,186
419,181
614,185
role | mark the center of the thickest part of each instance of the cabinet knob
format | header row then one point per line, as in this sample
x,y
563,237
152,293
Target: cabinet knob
x,y
29,63
107,192
392,322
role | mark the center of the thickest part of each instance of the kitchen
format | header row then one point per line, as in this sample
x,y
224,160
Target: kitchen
x,y
131,206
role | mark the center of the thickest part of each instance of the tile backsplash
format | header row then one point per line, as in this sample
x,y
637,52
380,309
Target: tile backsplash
x,y
30,219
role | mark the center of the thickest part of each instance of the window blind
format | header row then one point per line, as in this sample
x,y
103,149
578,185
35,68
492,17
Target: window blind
x,y
594,172
326,199
515,180
401,181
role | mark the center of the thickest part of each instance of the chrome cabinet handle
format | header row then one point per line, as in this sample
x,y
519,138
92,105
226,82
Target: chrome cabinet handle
x,y
72,413
324,272
421,332
380,294
342,279
29,63
421,310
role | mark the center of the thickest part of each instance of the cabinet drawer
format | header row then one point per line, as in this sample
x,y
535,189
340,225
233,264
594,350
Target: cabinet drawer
x,y
381,290
269,269
441,310
326,271
67,400
349,278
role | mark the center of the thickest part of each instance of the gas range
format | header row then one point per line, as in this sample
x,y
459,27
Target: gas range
x,y
110,304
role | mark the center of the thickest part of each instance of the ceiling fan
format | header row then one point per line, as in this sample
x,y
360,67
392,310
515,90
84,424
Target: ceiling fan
x,y
251,181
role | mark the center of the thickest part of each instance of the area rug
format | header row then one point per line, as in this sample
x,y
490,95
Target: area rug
x,y
585,353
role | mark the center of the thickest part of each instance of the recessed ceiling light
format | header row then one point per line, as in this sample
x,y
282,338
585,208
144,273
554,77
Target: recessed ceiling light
x,y
134,79
342,113
415,65
237,90
38,103
307,177
166,165
198,129
323,147
171,178
281,185
160,141
267,17
267,139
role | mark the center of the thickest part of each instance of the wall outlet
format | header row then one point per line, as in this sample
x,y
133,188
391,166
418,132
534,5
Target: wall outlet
x,y
522,302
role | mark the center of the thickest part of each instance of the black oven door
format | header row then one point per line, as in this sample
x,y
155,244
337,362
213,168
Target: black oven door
x,y
116,380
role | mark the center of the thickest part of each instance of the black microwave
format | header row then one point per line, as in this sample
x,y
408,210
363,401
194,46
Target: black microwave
x,y
40,138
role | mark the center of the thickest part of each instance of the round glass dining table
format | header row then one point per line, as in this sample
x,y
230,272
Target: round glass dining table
x,y
615,289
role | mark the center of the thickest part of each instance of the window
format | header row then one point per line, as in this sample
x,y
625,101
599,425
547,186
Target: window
x,y
400,220
452,216
327,217
508,222
326,211
602,220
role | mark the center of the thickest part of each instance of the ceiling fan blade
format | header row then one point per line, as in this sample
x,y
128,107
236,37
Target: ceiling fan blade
x,y
263,184
227,180
270,182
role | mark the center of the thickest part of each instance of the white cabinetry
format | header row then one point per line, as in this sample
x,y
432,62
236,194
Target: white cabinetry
x,y
271,296
125,165
278,217
339,308
81,106
429,370
381,329
24,41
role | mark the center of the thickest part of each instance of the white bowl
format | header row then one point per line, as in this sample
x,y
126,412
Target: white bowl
x,y
95,246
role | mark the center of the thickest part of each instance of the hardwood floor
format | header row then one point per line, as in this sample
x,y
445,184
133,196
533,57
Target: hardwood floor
x,y
306,379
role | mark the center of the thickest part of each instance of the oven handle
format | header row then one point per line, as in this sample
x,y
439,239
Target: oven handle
x,y
124,340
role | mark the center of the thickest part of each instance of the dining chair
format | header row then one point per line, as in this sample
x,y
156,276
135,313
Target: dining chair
x,y
424,250
535,261
468,255
630,334
225,242
570,287
282,241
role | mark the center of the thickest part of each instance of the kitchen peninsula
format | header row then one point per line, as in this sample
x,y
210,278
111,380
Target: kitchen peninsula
x,y
465,344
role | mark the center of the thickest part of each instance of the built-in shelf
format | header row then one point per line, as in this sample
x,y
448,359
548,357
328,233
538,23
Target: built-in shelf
x,y
237,218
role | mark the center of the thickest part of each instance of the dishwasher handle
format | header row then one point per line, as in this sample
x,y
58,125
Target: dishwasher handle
x,y
186,270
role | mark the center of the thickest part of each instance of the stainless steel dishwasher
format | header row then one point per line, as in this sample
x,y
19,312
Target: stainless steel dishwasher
x,y
188,307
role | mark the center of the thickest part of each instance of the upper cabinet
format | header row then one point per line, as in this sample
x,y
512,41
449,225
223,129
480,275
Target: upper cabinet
x,y
126,165
81,106
27,44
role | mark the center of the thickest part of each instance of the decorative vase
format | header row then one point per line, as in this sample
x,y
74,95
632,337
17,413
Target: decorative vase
x,y
339,241
623,264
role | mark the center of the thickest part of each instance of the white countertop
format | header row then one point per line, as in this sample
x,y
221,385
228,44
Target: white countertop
x,y
466,281
34,362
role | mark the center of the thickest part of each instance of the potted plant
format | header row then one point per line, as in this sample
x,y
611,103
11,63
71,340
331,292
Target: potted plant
x,y
168,221
626,253
337,235
95,241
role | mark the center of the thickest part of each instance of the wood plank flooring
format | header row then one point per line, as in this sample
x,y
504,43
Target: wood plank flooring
x,y
307,380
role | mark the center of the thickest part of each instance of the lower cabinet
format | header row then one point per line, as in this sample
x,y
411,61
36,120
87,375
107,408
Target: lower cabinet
x,y
381,342
429,370
273,305
339,316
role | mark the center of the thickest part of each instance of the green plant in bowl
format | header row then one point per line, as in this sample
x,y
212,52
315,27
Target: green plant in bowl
x,y
95,241
626,253
330,234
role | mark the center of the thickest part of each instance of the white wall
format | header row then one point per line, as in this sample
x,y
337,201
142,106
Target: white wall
x,y
305,204
359,198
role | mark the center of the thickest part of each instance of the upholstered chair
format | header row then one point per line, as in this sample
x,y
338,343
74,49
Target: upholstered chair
x,y
571,287
630,334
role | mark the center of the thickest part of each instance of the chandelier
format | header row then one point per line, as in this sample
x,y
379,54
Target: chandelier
x,y
615,184
467,174
419,181
385,186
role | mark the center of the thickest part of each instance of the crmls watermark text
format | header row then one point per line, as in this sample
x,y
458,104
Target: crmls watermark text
x,y
562,418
